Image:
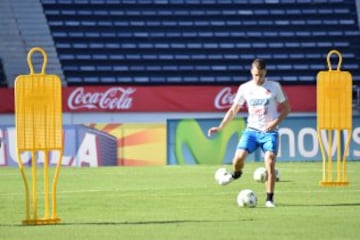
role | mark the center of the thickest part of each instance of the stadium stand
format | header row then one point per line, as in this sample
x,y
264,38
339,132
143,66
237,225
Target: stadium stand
x,y
200,41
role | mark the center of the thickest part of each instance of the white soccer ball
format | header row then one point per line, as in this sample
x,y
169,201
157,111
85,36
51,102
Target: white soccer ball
x,y
246,198
260,174
277,174
220,174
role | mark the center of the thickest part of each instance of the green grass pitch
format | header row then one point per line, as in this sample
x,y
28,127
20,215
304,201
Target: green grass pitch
x,y
184,202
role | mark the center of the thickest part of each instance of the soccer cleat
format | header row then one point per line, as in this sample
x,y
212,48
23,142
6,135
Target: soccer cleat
x,y
269,204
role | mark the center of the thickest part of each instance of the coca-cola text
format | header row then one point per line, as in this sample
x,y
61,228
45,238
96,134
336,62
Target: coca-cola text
x,y
114,98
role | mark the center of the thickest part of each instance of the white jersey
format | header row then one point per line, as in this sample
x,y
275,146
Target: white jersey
x,y
262,102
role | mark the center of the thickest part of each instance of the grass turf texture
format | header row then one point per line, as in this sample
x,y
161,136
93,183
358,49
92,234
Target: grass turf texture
x,y
184,202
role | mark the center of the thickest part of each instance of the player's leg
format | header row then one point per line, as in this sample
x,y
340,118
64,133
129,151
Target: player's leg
x,y
238,165
270,147
246,145
238,162
270,160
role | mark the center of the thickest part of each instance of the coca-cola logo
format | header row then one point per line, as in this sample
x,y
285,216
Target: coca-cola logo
x,y
224,98
114,98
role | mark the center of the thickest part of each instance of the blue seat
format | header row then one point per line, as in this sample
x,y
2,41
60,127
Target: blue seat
x,y
55,23
64,56
75,80
90,79
82,12
191,79
124,79
301,66
104,68
133,56
108,79
157,79
137,68
154,68
202,68
142,79
81,56
149,56
290,78
52,12
172,79
223,79
207,79
171,68
305,78
116,57
235,68
198,56
63,45
121,68
87,68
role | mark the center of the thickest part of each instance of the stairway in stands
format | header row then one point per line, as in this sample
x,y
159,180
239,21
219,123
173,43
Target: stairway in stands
x,y
24,26
200,41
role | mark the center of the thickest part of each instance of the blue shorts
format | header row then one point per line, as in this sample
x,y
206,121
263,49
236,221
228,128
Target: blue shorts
x,y
252,139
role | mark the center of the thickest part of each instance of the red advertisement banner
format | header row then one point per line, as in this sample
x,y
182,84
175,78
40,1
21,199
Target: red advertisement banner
x,y
159,98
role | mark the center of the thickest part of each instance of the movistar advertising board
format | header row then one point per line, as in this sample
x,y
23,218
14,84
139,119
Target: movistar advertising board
x,y
188,142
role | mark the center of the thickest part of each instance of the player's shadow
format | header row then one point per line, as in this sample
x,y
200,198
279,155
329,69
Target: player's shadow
x,y
146,222
137,222
321,205
126,223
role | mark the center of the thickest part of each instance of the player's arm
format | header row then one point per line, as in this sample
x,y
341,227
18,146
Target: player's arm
x,y
230,114
284,112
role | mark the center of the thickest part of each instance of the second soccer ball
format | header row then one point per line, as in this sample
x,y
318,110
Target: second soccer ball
x,y
260,174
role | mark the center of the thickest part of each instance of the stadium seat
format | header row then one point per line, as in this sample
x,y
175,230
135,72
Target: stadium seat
x,y
204,41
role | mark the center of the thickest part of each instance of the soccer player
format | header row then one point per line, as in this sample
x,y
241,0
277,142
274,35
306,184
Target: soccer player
x,y
262,98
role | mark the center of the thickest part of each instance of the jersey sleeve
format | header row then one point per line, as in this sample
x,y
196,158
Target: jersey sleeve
x,y
239,97
280,95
